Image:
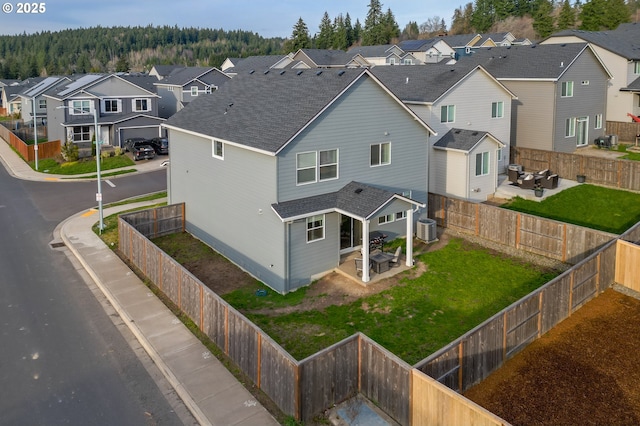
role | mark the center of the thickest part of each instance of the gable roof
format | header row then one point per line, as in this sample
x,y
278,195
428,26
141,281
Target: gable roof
x,y
355,199
463,139
42,86
166,70
256,63
184,76
623,41
534,62
84,83
265,111
634,86
425,83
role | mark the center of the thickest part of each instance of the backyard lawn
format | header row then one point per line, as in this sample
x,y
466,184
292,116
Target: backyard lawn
x,y
596,207
462,286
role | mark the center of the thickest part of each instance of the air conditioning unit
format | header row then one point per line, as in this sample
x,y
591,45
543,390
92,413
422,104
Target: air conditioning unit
x,y
427,230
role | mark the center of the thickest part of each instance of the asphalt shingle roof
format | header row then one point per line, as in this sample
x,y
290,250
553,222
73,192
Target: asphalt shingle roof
x,y
460,139
264,110
256,63
624,40
184,76
546,61
355,198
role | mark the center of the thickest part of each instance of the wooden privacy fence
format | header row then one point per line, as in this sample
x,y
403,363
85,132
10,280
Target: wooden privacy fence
x,y
45,150
471,358
557,240
628,265
624,174
626,131
357,364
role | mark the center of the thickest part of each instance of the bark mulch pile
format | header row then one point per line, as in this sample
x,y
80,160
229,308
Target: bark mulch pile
x,y
586,371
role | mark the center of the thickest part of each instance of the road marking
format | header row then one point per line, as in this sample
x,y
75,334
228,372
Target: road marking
x,y
89,213
111,184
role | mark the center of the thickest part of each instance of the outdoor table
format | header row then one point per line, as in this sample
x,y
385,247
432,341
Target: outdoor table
x,y
381,261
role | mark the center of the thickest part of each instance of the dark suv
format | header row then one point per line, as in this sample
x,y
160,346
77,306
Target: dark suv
x,y
160,145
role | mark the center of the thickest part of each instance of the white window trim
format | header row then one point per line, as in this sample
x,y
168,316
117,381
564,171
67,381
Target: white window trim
x,y
636,67
482,171
402,215
564,89
118,105
88,133
598,122
387,218
42,103
74,110
134,107
312,219
499,155
380,163
445,119
499,109
314,167
194,90
570,127
320,166
213,149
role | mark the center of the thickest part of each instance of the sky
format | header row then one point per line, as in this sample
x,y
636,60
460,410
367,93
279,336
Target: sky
x,y
268,18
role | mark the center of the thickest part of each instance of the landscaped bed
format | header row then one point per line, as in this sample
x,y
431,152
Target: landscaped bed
x,y
455,286
585,371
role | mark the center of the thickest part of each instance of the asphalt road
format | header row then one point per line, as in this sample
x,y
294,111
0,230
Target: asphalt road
x,y
65,358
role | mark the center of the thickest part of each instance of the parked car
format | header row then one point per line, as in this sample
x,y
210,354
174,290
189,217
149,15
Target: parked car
x,y
160,145
131,142
143,151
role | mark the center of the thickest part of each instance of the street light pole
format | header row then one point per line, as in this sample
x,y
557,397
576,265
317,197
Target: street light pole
x,y
35,131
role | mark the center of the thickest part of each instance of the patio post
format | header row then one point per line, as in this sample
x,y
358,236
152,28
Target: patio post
x,y
409,256
365,251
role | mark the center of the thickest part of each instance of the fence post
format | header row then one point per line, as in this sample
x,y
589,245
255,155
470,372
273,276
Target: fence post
x,y
564,242
460,363
477,219
571,292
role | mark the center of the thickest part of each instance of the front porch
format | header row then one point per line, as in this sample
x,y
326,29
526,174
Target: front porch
x,y
347,268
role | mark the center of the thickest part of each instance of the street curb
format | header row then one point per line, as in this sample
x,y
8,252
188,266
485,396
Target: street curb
x,y
153,354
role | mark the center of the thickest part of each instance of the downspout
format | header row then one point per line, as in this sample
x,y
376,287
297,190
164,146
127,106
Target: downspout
x,y
287,262
409,248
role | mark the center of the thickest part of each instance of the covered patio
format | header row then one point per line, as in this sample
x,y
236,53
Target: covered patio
x,y
347,268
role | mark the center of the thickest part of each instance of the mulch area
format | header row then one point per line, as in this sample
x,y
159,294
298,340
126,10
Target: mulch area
x,y
585,371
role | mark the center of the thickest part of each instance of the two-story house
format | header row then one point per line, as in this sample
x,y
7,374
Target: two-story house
x,y
284,171
470,111
126,107
33,101
561,90
619,49
185,85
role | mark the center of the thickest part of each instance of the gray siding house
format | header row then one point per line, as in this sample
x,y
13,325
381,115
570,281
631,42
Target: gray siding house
x,y
561,89
282,171
127,107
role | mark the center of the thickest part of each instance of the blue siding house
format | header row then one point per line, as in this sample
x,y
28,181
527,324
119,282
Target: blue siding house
x,y
282,171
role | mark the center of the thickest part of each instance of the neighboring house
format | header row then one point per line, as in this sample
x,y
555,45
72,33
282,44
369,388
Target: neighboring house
x,y
162,71
4,83
428,51
322,58
300,166
235,66
561,90
127,107
32,99
11,99
388,54
620,51
450,98
185,85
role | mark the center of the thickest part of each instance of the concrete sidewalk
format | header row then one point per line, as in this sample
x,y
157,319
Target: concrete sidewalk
x,y
212,394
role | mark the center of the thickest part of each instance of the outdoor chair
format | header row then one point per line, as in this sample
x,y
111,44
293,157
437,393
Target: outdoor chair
x,y
514,175
528,182
543,173
359,269
396,257
550,182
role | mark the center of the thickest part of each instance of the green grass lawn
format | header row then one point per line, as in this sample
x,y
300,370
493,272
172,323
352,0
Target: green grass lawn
x,y
51,166
463,286
606,209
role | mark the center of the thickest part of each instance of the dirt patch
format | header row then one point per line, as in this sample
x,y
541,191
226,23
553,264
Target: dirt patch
x,y
585,371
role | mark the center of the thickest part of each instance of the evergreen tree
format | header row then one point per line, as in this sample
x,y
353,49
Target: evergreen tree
x,y
299,38
357,32
566,17
483,15
340,34
461,21
617,13
374,29
391,28
543,21
504,9
411,31
351,38
123,64
324,39
597,15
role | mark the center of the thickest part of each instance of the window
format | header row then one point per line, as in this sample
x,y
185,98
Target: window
x,y
392,61
328,164
194,90
598,123
407,61
380,154
401,215
497,109
482,163
111,105
218,149
499,155
636,67
315,228
567,89
141,105
81,134
570,127
42,103
80,107
385,219
447,113
306,167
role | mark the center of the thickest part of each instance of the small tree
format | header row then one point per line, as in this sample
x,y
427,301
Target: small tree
x,y
69,151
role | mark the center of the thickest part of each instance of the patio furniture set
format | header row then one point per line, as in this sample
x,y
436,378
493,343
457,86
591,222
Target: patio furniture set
x,y
379,260
529,180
